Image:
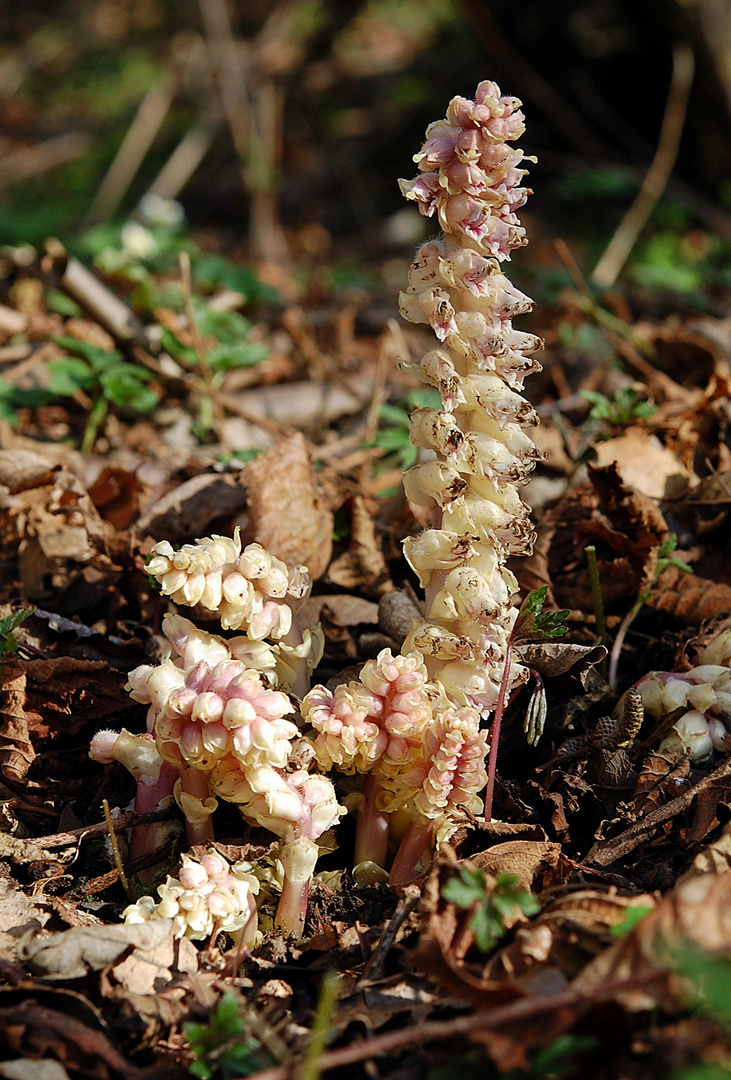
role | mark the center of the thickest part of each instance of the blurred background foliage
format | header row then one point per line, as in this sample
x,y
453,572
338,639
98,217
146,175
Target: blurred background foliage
x,y
280,126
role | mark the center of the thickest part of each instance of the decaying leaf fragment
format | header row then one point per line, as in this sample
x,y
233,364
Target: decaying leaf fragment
x,y
16,750
289,518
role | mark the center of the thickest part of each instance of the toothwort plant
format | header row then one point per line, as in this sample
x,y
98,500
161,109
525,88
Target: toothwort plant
x,y
221,722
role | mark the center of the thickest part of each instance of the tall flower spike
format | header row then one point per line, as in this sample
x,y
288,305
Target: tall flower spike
x,y
470,179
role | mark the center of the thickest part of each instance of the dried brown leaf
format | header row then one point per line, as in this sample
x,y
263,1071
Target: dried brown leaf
x,y
289,518
527,859
185,513
696,913
690,599
16,750
641,460
362,566
71,954
554,658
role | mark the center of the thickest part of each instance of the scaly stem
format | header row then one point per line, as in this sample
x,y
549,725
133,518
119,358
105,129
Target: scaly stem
x,y
292,908
146,839
298,859
495,732
416,842
195,782
371,835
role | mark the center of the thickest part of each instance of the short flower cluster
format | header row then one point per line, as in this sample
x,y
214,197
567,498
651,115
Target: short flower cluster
x,y
229,735
704,692
250,588
208,897
215,707
393,724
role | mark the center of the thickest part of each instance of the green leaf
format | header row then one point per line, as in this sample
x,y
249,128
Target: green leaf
x,y
69,375
125,384
534,624
246,354
394,415
62,304
98,359
229,327
177,350
487,926
8,644
216,272
632,916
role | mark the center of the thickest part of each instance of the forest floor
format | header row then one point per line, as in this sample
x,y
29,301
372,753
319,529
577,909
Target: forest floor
x,y
244,400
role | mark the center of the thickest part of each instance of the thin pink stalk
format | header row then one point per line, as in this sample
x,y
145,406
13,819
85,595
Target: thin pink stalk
x,y
416,842
371,835
495,732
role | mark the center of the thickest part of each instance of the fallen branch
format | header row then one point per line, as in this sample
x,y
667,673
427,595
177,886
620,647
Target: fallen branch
x,y
436,1030
124,821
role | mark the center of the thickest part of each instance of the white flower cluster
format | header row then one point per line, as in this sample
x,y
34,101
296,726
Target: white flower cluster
x,y
249,589
470,178
208,897
704,692
211,713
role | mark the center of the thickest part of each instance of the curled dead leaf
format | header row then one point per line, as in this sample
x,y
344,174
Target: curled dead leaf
x,y
16,750
289,518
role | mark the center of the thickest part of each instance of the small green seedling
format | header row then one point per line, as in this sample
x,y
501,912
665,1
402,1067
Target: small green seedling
x,y
220,1048
102,375
490,909
535,624
623,409
8,642
394,439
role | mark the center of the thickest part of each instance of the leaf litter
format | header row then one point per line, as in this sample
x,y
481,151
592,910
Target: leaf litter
x,y
562,927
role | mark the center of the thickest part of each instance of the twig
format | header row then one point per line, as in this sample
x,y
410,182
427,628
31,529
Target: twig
x,y
619,846
93,295
622,634
406,904
187,155
436,1030
88,832
139,138
42,157
118,861
609,266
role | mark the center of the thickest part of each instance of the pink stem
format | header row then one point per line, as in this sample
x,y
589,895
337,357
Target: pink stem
x,y
292,908
371,834
417,840
495,732
195,782
148,838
